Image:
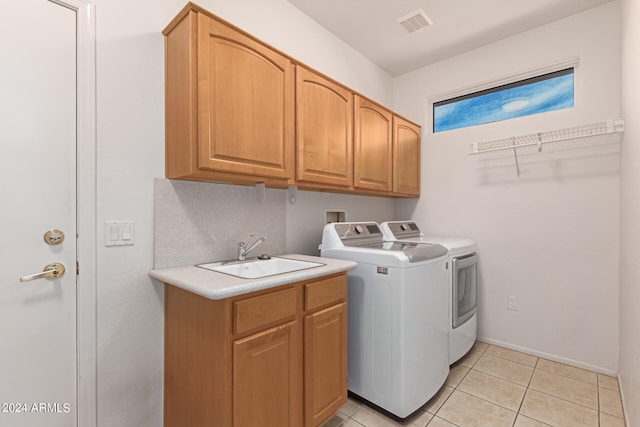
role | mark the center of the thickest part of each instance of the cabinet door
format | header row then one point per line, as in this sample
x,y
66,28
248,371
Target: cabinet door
x,y
245,104
267,380
406,157
324,133
325,368
372,146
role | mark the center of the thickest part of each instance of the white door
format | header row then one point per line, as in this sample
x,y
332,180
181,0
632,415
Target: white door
x,y
38,357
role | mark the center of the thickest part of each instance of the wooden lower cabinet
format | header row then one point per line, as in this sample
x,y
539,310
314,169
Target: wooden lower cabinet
x,y
325,369
265,387
272,358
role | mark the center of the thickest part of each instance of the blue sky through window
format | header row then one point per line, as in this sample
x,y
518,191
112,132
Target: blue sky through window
x,y
551,92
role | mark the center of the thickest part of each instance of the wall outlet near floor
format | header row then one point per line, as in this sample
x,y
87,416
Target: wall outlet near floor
x,y
512,303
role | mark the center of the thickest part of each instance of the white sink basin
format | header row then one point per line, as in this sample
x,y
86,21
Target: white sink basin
x,y
257,268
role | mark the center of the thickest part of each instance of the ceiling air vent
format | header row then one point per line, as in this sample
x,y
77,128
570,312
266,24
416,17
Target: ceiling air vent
x,y
415,21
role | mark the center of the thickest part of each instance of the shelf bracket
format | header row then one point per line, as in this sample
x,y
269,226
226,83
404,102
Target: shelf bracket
x,y
515,156
539,142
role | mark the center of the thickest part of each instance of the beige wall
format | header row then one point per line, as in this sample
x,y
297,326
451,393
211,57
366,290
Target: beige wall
x,y
550,237
630,215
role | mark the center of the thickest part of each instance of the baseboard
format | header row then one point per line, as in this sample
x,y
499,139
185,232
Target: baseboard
x,y
552,357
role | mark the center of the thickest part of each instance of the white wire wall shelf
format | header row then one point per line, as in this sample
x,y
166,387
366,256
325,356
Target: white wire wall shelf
x,y
541,138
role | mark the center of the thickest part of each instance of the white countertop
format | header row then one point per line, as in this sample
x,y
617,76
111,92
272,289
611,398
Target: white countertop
x,y
214,285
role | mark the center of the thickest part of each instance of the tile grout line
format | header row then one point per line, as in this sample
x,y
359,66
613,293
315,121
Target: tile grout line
x,y
488,401
526,390
564,400
501,378
597,385
536,367
462,379
511,360
566,376
456,388
549,371
598,398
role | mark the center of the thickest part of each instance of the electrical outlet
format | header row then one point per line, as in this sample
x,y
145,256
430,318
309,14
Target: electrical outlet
x,y
512,303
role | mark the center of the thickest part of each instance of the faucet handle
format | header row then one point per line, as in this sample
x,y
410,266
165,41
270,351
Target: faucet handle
x,y
241,250
246,243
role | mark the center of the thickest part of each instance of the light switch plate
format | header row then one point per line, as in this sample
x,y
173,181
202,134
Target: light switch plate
x,y
119,233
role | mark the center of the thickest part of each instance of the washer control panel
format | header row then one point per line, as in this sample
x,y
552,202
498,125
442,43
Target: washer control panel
x,y
404,229
349,230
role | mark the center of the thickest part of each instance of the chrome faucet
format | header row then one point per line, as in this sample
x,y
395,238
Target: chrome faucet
x,y
245,247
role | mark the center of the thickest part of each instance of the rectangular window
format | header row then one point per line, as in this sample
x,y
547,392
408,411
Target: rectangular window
x,y
548,92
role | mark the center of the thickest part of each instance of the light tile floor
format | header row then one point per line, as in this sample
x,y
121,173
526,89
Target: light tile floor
x,y
493,386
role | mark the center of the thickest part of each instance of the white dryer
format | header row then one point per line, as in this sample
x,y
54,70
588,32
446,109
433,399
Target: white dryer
x,y
397,316
462,280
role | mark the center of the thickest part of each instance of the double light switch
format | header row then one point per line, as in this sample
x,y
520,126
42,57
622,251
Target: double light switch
x,y
119,233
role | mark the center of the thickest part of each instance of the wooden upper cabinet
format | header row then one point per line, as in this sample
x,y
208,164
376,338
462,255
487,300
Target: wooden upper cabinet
x,y
239,111
324,130
372,146
245,104
406,157
230,104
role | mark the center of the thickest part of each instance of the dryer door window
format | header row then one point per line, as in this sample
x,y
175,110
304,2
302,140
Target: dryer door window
x,y
464,288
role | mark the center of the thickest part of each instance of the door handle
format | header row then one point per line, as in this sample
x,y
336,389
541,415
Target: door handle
x,y
54,270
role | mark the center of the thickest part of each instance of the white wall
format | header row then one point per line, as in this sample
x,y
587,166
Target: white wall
x,y
305,218
549,237
130,135
629,214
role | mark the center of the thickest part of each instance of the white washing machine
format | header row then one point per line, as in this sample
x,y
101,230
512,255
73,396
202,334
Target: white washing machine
x,y
462,280
398,341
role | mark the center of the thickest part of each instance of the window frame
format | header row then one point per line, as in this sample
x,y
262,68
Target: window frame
x,y
501,83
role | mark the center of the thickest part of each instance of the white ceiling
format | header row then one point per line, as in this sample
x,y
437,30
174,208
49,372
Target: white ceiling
x,y
370,26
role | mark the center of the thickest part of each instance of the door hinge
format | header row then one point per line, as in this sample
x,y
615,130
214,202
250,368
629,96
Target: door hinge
x,y
77,268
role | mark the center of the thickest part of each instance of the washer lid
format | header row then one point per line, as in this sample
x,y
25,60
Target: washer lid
x,y
456,245
414,252
425,252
